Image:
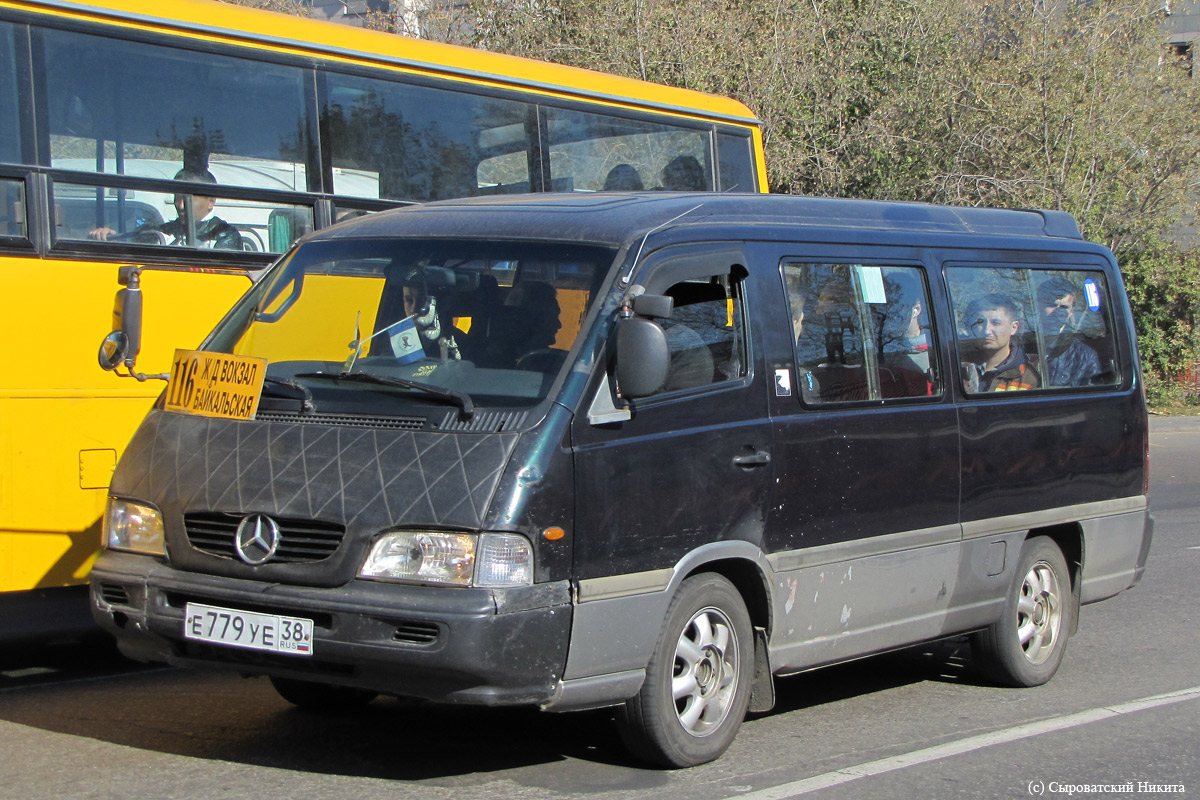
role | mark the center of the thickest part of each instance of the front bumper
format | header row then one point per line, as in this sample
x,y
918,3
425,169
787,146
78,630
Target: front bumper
x,y
447,644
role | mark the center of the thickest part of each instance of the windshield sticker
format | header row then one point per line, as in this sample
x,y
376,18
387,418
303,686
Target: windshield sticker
x,y
870,279
215,384
1091,291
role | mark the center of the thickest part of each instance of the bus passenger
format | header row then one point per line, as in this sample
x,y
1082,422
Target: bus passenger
x,y
1069,360
623,178
683,174
994,320
211,231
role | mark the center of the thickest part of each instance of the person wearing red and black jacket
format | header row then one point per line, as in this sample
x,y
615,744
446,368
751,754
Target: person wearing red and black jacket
x,y
999,363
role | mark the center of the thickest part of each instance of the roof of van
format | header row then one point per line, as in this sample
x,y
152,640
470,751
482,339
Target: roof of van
x,y
616,218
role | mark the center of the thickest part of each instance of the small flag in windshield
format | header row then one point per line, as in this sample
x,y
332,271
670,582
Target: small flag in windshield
x,y
406,342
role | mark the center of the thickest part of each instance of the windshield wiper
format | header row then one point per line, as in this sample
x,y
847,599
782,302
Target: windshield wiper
x,y
466,408
306,404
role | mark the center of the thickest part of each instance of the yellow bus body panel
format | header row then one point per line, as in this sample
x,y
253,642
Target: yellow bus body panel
x,y
63,421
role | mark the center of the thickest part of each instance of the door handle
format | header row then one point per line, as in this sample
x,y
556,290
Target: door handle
x,y
758,459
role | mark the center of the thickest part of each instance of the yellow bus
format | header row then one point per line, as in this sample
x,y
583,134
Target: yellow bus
x,y
199,141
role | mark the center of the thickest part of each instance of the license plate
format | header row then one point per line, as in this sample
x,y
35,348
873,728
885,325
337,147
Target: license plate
x,y
247,629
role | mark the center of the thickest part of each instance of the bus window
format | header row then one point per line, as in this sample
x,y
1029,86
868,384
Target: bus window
x,y
91,213
735,163
586,149
12,214
137,109
401,142
10,142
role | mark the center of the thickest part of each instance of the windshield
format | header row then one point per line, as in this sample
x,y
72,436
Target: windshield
x,y
350,325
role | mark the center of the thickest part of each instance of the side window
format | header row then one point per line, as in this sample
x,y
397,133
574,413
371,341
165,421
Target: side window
x,y
862,332
12,215
397,141
167,114
705,334
593,152
1024,328
735,163
149,111
10,141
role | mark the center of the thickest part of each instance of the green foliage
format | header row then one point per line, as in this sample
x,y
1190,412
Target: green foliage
x,y
1164,290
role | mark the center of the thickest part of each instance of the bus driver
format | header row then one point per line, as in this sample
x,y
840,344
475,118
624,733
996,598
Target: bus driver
x,y
211,231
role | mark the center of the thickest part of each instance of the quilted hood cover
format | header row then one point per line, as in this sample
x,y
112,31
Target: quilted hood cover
x,y
366,479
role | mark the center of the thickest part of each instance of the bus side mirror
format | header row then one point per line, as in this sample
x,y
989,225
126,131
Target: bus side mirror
x,y
125,342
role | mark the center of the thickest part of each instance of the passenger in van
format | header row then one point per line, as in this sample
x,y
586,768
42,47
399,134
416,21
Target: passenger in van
x,y
810,386
623,178
437,339
211,231
683,174
997,362
1069,361
905,368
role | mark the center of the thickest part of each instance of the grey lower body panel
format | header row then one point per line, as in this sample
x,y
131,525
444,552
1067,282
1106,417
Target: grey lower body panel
x,y
1114,554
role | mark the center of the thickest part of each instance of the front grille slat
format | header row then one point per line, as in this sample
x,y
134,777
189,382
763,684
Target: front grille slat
x,y
301,541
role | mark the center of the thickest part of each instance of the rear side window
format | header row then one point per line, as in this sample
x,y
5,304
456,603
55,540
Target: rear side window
x,y
862,332
1022,328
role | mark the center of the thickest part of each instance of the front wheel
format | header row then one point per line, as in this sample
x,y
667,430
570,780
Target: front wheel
x,y
1026,645
697,684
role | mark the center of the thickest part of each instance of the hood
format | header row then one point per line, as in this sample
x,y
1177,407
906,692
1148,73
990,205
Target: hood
x,y
357,481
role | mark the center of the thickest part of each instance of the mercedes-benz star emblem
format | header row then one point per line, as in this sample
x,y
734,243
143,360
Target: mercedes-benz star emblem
x,y
257,539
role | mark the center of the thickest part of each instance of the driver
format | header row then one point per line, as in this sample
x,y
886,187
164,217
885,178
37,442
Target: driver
x,y
211,231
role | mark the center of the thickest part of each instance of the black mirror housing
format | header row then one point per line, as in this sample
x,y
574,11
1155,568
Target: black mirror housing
x,y
643,358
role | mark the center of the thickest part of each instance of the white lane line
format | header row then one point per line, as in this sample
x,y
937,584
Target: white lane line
x,y
905,760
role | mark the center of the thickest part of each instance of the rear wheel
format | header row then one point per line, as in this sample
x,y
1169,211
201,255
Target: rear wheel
x,y
1026,645
697,684
321,698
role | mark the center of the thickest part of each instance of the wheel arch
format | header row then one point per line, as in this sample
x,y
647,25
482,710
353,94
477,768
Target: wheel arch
x,y
1068,537
744,572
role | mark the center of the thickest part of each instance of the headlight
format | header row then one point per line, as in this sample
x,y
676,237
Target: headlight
x,y
134,527
460,559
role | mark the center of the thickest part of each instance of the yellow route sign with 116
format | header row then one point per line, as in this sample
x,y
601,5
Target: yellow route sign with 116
x,y
215,384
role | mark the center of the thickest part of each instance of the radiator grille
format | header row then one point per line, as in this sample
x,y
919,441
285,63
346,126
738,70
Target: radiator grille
x,y
300,540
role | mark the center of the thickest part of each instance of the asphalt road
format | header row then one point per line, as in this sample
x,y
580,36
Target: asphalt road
x,y
1121,718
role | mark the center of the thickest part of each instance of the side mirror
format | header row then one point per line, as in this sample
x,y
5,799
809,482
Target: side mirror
x,y
112,351
125,342
643,358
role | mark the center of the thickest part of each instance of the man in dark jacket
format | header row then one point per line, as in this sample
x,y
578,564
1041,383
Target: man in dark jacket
x,y
210,231
994,321
1069,361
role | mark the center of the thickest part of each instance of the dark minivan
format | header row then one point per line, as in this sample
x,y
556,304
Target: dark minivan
x,y
645,451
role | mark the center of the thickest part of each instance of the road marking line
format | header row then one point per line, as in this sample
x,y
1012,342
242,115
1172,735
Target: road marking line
x,y
917,757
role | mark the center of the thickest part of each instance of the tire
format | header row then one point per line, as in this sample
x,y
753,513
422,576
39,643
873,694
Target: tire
x,y
697,684
321,698
1026,645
